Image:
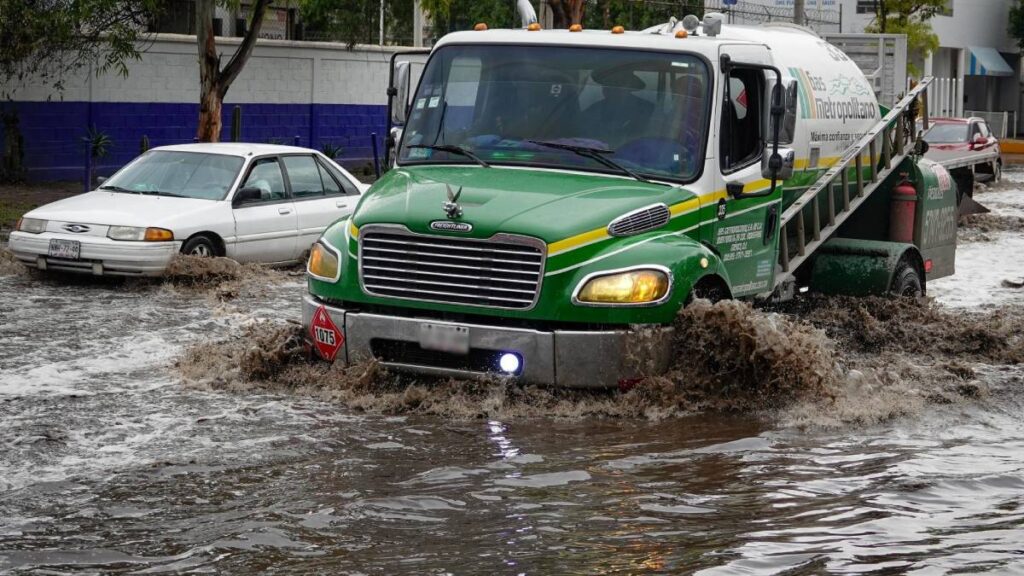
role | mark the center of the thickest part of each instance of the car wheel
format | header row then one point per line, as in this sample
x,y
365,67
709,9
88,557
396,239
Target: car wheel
x,y
907,281
199,246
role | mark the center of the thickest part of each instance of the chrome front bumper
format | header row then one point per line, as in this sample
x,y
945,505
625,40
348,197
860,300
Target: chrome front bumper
x,y
567,358
99,256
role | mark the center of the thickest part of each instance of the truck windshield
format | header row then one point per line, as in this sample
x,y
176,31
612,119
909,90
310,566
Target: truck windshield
x,y
645,111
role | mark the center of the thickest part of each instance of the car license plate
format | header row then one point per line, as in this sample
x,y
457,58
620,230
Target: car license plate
x,y
444,338
65,249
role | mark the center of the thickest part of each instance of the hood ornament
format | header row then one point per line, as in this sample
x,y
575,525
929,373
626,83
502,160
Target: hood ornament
x,y
451,207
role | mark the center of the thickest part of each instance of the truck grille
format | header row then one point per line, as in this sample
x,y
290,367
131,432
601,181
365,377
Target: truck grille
x,y
502,272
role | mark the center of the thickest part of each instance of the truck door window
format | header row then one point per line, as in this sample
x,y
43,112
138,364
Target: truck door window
x,y
742,133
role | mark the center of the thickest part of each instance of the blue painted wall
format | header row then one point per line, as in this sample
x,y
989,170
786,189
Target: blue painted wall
x,y
53,131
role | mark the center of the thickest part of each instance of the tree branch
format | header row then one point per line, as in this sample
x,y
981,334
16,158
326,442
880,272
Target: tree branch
x,y
234,67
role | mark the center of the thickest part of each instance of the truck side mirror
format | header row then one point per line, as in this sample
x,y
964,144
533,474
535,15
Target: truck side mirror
x,y
400,93
779,165
921,146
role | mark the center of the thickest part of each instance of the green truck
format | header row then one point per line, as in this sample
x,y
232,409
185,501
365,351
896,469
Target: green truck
x,y
555,193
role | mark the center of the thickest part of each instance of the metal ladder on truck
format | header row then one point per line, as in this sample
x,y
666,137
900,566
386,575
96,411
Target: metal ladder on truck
x,y
807,224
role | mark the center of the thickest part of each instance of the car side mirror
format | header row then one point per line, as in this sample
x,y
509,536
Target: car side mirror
x,y
780,165
100,180
246,196
921,146
979,140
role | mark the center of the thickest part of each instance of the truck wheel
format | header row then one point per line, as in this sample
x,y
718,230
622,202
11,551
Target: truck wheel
x,y
907,281
199,246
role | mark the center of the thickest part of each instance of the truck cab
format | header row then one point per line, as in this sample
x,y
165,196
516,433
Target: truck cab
x,y
556,197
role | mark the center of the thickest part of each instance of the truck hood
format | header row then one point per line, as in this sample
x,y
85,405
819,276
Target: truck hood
x,y
550,205
121,209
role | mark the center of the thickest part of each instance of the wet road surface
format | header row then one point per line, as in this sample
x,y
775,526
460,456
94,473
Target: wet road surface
x,y
108,464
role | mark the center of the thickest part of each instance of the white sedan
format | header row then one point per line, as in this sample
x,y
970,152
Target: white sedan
x,y
249,202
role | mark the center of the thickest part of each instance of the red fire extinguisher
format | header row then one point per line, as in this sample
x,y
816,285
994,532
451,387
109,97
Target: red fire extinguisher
x,y
902,211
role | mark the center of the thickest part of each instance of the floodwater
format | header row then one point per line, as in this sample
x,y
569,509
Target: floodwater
x,y
109,463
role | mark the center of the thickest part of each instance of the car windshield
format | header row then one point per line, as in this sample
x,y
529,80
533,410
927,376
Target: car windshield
x,y
946,133
647,112
186,174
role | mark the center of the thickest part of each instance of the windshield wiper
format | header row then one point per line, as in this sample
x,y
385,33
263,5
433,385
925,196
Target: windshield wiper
x,y
118,189
596,154
453,149
161,193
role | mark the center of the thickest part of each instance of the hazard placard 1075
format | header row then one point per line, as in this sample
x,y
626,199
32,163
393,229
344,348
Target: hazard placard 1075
x,y
326,336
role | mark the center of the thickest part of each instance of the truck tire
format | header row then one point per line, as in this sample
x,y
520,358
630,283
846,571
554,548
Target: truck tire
x,y
906,282
200,246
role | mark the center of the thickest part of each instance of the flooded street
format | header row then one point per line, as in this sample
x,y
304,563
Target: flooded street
x,y
109,463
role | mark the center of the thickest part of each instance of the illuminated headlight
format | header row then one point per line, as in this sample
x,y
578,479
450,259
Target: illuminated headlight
x,y
639,286
31,225
323,263
138,234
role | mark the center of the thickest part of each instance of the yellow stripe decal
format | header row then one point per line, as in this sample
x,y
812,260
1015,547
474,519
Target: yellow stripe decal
x,y
577,241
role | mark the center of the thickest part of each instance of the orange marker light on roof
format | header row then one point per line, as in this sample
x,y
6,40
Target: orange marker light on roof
x,y
682,34
576,28
480,27
533,27
618,30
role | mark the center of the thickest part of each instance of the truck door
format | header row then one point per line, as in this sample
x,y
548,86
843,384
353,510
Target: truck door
x,y
745,232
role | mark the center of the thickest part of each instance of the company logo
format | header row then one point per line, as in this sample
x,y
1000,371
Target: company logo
x,y
76,228
449,226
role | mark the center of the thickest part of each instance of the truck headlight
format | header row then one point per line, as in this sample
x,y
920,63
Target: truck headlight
x,y
626,287
139,234
323,263
31,225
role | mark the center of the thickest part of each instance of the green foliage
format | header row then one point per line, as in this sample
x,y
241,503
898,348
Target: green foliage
x,y
331,150
357,21
99,142
1016,29
909,17
635,15
47,41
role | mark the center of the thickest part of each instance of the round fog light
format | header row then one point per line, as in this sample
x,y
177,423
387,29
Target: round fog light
x,y
509,363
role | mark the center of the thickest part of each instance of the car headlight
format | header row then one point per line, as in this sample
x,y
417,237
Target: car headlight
x,y
139,234
638,286
31,225
323,263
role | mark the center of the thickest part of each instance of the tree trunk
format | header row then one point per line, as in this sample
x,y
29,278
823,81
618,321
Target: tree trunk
x,y
576,8
560,20
214,82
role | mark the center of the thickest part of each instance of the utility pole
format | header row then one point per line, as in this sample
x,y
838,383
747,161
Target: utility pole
x,y
381,22
417,24
798,12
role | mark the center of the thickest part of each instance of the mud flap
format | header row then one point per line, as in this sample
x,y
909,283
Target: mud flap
x,y
969,206
966,205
